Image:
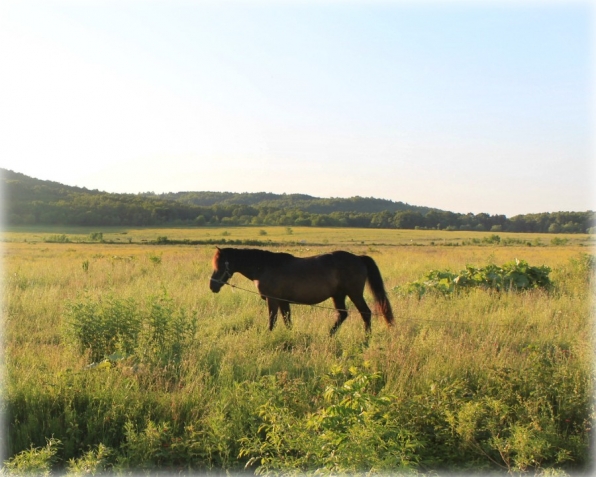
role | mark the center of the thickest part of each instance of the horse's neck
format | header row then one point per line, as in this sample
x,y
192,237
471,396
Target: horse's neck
x,y
247,266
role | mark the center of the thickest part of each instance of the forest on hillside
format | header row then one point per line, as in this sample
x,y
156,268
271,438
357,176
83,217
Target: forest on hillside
x,y
29,201
302,202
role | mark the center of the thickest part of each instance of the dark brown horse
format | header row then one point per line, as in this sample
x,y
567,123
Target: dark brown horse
x,y
282,279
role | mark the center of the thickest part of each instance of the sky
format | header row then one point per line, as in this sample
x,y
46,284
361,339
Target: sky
x,y
463,106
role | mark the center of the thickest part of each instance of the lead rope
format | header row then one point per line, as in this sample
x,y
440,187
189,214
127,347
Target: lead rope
x,y
444,322
280,299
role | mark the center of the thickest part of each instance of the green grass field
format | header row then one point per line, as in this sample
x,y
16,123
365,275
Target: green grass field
x,y
290,235
118,358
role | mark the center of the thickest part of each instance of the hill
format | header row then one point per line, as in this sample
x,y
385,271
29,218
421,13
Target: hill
x,y
33,201
307,203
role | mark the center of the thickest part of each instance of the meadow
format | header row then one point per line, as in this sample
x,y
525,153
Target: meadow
x,y
119,359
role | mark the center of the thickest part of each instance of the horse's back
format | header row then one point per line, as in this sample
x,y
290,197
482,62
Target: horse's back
x,y
314,279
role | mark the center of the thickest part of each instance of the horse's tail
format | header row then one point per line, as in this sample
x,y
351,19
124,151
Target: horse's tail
x,y
375,283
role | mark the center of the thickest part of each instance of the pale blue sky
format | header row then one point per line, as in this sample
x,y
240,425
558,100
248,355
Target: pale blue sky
x,y
468,107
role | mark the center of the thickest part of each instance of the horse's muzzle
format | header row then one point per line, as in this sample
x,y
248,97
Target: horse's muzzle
x,y
215,285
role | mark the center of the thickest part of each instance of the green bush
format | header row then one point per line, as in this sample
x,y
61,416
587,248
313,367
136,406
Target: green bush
x,y
91,463
112,328
559,241
96,236
34,461
103,327
517,420
356,429
527,419
514,276
532,419
57,239
166,332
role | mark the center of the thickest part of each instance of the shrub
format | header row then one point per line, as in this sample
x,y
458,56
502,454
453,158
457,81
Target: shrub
x,y
34,461
103,327
530,418
516,275
91,463
57,239
357,429
493,239
165,334
559,241
96,236
155,259
113,328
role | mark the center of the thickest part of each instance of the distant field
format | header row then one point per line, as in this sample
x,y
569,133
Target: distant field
x,y
122,354
306,235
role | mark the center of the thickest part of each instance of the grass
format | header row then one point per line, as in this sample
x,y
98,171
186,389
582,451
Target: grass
x,y
482,381
299,235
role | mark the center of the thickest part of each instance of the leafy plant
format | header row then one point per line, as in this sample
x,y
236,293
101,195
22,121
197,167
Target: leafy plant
x,y
57,239
559,241
95,461
96,236
493,239
515,276
103,327
585,263
34,461
357,429
155,259
165,333
113,328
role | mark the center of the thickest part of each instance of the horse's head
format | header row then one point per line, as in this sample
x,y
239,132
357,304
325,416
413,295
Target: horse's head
x,y
221,271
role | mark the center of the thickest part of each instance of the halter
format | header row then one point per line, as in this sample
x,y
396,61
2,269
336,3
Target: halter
x,y
227,272
226,275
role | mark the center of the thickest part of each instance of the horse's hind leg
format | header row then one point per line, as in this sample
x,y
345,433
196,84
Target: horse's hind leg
x,y
342,313
364,310
284,307
273,306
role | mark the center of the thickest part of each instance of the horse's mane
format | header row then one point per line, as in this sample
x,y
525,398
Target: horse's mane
x,y
262,257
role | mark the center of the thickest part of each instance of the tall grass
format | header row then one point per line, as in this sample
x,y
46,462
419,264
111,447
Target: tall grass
x,y
132,363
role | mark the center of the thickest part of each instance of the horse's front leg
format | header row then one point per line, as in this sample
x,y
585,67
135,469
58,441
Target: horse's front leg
x,y
285,313
273,306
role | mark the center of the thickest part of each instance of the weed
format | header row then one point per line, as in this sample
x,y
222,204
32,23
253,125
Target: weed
x,y
101,328
155,259
57,239
34,461
96,236
95,461
517,275
557,241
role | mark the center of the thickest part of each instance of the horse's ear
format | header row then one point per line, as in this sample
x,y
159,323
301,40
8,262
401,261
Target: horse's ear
x,y
219,249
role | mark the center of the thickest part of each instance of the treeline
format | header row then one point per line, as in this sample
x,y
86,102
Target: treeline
x,y
301,202
556,222
31,201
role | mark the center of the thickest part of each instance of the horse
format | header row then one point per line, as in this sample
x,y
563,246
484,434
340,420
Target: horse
x,y
283,279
